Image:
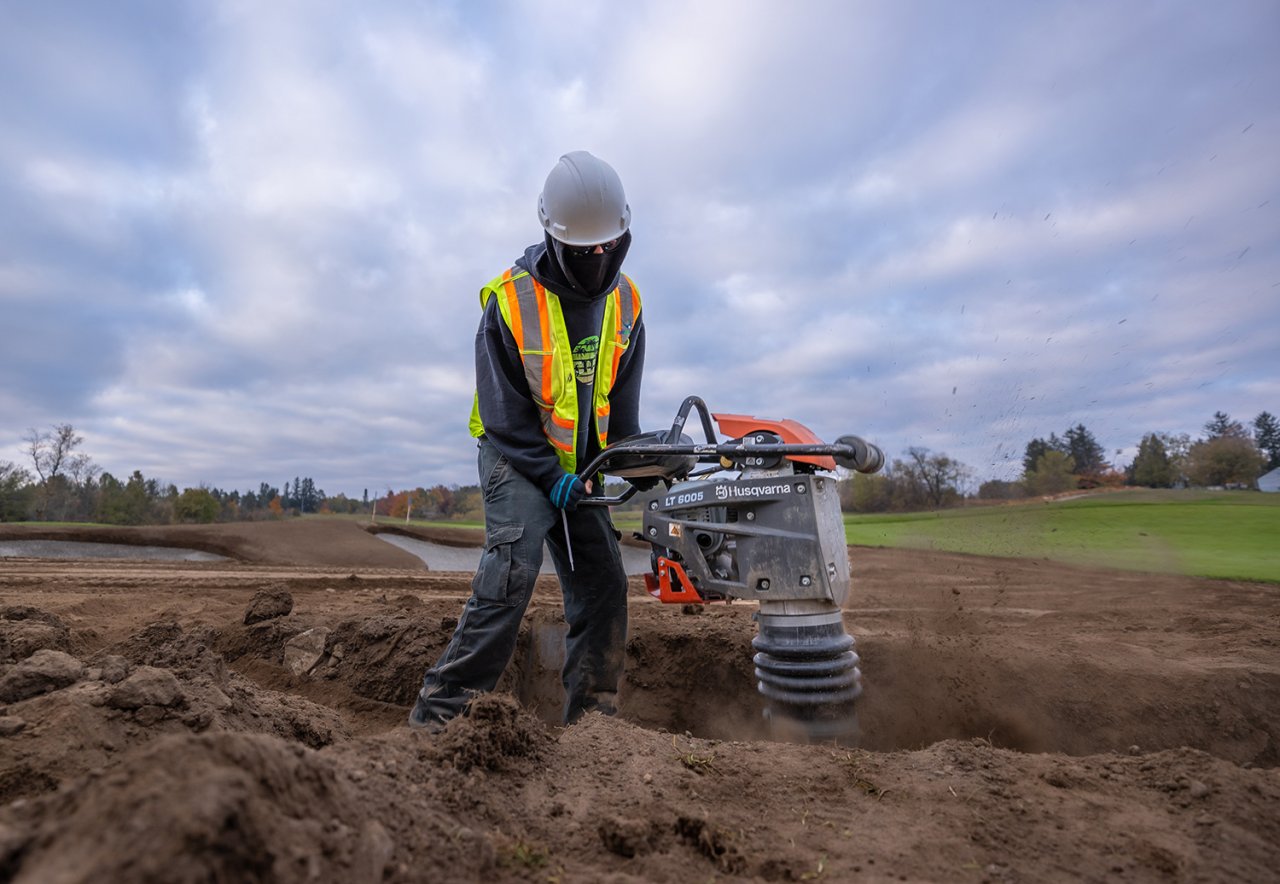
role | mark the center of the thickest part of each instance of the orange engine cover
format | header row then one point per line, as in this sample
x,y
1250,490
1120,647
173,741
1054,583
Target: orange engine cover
x,y
738,425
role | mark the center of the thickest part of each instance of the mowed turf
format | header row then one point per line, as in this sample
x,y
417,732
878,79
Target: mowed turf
x,y
1234,534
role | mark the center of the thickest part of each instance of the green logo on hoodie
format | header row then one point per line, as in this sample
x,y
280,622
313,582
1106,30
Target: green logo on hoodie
x,y
584,359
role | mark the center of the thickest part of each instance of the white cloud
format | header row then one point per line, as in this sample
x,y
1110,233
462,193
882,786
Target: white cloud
x,y
258,246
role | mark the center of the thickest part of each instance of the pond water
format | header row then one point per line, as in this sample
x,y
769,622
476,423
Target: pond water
x,y
452,558
75,549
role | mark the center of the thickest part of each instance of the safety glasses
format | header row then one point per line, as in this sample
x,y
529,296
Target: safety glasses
x,y
606,247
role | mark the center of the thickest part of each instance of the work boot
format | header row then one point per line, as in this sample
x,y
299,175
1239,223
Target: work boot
x,y
420,719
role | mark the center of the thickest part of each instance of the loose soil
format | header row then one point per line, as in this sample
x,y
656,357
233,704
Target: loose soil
x,y
1022,721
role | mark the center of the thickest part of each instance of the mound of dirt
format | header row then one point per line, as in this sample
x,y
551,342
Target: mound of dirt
x,y
1021,721
497,796
238,807
25,630
68,717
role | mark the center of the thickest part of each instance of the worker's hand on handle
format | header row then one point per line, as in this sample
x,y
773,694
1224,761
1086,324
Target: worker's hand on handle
x,y
569,491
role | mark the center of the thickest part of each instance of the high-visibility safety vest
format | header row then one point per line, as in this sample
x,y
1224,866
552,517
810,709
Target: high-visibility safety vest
x,y
536,322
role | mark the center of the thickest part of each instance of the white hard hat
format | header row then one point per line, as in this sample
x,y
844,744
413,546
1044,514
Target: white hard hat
x,y
582,202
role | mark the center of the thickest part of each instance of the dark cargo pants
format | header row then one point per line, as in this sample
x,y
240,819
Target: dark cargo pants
x,y
518,519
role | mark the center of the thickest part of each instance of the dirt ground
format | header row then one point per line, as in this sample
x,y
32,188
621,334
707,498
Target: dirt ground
x,y
1022,721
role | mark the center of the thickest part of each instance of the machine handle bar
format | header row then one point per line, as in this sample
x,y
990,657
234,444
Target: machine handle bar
x,y
850,452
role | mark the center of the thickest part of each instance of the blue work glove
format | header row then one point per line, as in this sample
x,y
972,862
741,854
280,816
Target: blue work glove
x,y
567,492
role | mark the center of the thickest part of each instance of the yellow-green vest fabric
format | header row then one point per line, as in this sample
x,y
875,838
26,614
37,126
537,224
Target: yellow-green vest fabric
x,y
536,322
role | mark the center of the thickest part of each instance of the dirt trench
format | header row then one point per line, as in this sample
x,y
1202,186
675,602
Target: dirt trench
x,y
690,670
1020,722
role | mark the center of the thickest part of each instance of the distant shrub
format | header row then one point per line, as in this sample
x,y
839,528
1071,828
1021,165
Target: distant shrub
x,y
997,489
196,505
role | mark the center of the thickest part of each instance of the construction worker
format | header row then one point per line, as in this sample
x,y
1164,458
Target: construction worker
x,y
559,356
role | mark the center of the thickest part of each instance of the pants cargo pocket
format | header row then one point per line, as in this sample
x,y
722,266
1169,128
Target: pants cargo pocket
x,y
501,576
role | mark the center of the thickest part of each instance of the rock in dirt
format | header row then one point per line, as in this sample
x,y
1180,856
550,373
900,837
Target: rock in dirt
x,y
44,671
114,668
373,854
267,604
305,650
148,686
25,630
10,725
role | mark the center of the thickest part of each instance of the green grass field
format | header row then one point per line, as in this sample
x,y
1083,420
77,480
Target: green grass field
x,y
400,522
1233,535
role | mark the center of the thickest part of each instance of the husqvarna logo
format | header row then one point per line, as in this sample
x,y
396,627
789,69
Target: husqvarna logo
x,y
725,491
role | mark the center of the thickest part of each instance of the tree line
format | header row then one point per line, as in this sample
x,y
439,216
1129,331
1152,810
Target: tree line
x,y
1228,455
64,484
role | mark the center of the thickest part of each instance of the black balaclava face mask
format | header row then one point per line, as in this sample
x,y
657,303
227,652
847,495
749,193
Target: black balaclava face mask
x,y
590,275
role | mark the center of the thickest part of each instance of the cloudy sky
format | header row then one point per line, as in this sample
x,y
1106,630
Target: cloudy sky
x,y
242,241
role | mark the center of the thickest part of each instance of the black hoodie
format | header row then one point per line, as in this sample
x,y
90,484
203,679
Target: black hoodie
x,y
509,414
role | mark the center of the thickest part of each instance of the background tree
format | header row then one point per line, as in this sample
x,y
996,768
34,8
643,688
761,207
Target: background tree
x,y
1037,448
14,492
1266,435
862,493
1085,452
340,503
110,500
196,505
1225,460
140,499
438,501
1054,473
468,503
51,452
228,504
1223,426
923,480
399,503
998,489
1178,447
306,497
1152,467
936,476
60,467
